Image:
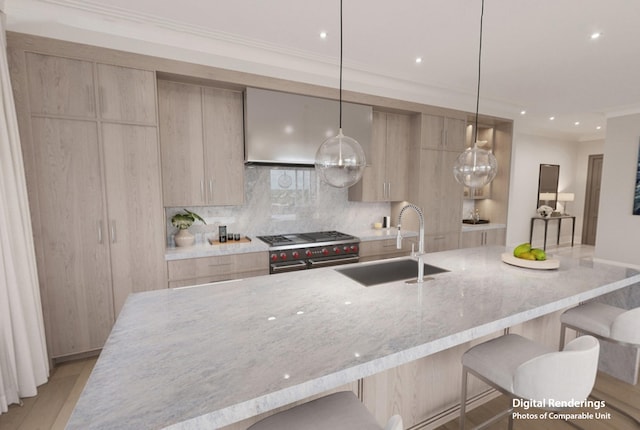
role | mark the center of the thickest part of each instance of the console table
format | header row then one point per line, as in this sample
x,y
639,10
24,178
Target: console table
x,y
546,225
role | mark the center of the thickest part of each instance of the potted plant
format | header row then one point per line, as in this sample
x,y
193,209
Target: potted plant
x,y
182,221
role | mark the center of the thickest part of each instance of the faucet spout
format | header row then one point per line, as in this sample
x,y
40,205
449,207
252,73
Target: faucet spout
x,y
421,238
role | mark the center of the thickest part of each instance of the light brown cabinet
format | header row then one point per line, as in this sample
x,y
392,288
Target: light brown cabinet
x,y
385,178
442,132
386,248
201,138
483,237
93,179
139,105
195,271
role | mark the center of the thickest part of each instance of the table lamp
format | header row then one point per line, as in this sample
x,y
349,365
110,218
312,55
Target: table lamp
x,y
565,197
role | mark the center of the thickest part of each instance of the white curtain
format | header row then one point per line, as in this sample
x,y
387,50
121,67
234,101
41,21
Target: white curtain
x,y
23,356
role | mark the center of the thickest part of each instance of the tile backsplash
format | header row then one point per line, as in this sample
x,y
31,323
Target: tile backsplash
x,y
284,200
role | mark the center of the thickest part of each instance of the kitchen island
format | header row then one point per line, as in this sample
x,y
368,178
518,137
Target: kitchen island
x,y
213,355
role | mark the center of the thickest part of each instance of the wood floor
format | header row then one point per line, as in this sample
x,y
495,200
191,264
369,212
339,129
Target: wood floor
x,y
52,407
55,401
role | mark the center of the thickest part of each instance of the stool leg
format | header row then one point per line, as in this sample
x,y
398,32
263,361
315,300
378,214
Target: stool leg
x,y
463,398
563,330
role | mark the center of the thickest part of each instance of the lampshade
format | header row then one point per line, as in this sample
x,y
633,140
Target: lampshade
x,y
340,161
547,196
475,167
566,197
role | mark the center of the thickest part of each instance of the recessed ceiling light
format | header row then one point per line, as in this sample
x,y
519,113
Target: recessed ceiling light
x,y
596,35
576,123
551,118
323,35
598,127
418,60
523,112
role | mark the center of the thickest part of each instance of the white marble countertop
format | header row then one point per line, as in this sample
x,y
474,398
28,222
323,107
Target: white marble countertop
x,y
256,245
208,356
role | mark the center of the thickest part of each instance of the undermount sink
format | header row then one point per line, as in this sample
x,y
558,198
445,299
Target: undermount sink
x,y
475,221
387,271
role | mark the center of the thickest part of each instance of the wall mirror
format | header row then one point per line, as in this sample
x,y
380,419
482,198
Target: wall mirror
x,y
548,185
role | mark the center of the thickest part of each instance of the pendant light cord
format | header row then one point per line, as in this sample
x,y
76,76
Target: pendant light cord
x,y
340,120
479,68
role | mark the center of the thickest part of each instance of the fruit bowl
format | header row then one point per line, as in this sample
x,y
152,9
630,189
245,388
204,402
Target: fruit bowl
x,y
548,264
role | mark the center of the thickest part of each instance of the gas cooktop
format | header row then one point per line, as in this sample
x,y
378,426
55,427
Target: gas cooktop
x,y
306,238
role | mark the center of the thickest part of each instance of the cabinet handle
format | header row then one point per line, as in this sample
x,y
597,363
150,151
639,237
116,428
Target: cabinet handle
x,y
202,197
100,232
389,190
210,190
438,238
113,231
445,138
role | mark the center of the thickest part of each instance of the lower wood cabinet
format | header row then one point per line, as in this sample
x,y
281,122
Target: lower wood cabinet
x,y
441,242
195,271
494,236
386,248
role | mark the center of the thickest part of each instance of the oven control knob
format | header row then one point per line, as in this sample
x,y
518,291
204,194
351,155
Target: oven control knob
x,y
274,257
345,249
337,250
308,253
325,251
283,256
295,254
354,248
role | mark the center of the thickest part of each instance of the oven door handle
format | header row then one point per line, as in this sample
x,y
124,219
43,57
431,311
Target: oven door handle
x,y
288,267
334,261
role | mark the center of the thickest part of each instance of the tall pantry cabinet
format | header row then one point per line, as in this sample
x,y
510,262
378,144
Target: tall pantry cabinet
x,y
90,144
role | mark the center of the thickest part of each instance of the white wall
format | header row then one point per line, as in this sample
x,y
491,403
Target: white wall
x,y
618,230
528,153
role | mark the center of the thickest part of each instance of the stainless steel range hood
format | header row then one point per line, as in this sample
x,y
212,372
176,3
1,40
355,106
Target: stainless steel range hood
x,y
287,129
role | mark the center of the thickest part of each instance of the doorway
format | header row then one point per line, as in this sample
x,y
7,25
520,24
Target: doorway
x,y
592,199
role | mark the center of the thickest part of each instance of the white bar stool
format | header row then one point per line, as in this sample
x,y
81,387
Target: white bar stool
x,y
523,369
338,411
603,321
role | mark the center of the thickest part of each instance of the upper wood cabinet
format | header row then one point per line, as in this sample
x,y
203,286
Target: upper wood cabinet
x,y
93,177
60,86
201,139
126,94
441,132
386,176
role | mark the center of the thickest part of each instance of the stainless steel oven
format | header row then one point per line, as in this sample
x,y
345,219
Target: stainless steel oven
x,y
301,251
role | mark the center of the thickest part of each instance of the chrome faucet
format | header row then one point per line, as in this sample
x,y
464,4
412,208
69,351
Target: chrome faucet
x,y
421,238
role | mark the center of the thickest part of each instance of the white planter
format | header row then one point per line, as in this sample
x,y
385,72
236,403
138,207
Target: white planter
x,y
184,238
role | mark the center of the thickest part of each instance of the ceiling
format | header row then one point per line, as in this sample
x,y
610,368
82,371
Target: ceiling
x,y
537,56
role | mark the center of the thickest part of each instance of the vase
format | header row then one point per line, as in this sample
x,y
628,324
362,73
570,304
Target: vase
x,y
184,238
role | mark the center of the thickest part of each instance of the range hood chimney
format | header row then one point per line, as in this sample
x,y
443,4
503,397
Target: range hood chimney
x,y
287,129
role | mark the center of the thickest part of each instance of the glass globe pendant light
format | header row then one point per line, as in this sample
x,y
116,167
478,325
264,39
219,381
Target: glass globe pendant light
x,y
340,160
476,167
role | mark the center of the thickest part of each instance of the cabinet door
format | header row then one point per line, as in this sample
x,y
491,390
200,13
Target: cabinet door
x,y
471,239
136,216
74,269
60,86
397,156
126,94
373,187
223,146
443,133
181,137
442,194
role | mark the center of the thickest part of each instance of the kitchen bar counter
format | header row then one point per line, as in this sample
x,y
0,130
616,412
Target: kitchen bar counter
x,y
208,356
